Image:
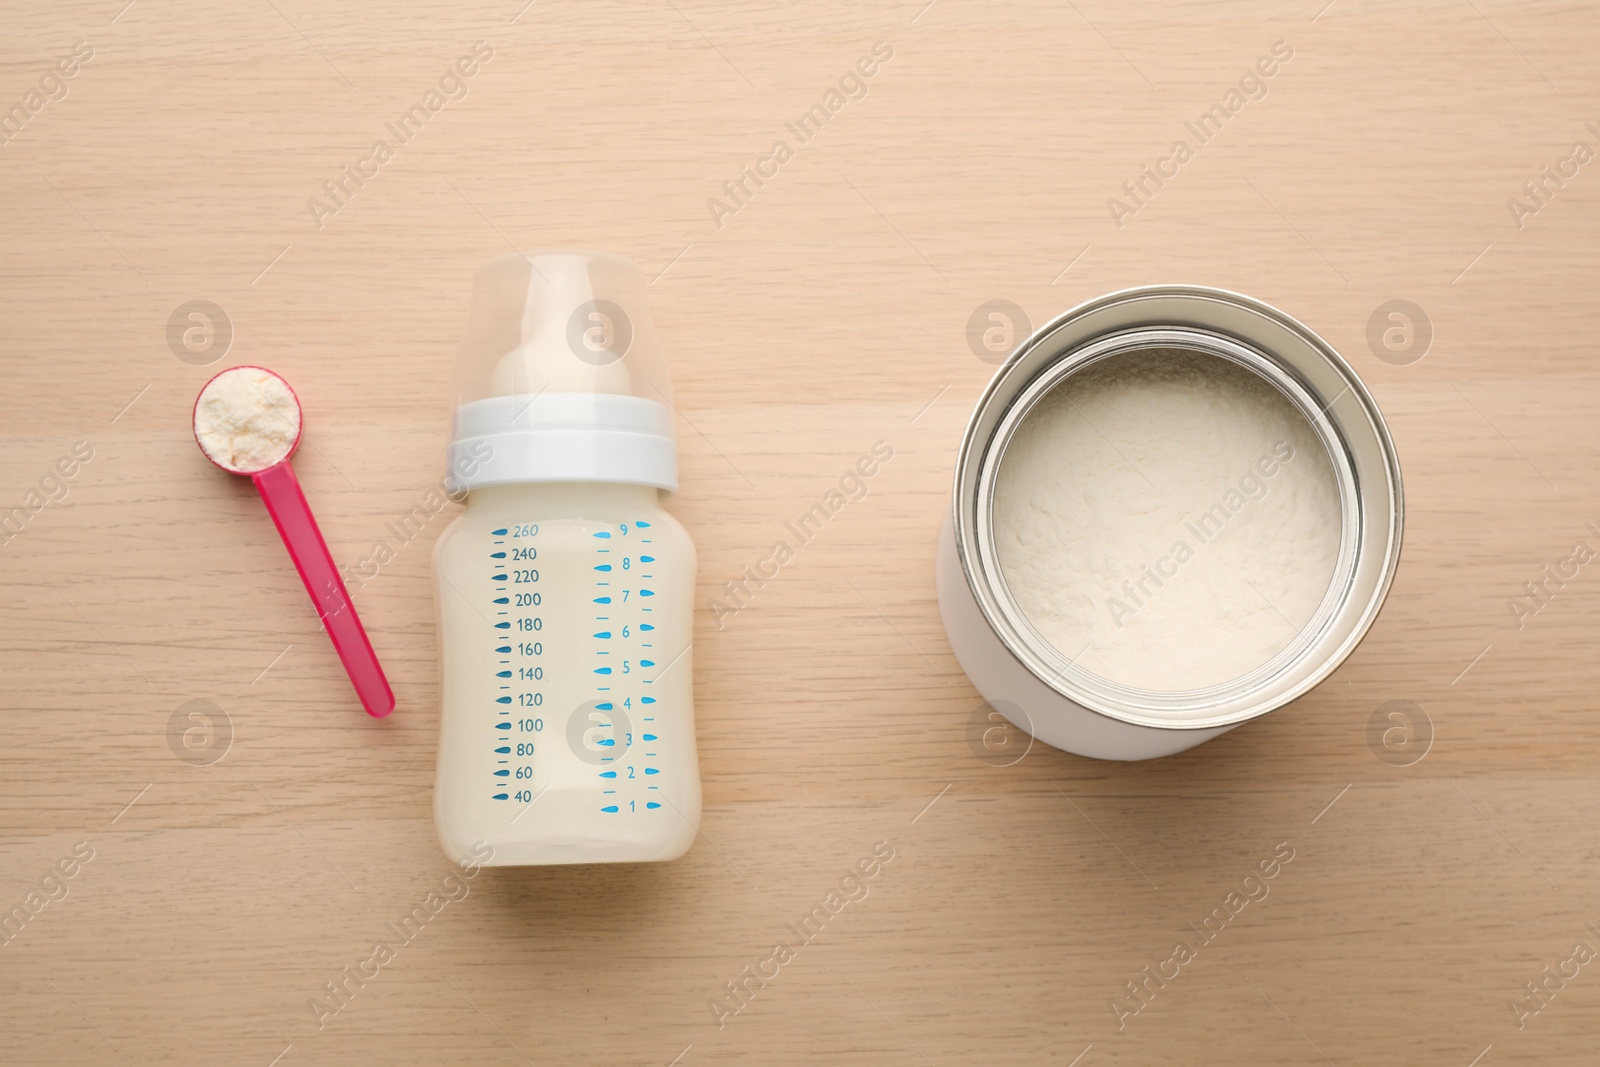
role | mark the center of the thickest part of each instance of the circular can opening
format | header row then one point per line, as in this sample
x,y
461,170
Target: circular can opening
x,y
1166,516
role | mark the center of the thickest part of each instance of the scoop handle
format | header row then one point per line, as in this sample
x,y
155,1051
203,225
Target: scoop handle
x,y
280,491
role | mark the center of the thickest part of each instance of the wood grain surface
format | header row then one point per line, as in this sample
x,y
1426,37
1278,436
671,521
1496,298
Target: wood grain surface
x,y
211,900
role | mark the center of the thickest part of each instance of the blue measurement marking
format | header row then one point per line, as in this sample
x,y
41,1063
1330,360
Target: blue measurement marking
x,y
497,577
502,600
500,796
497,555
647,700
503,649
647,663
649,737
602,670
602,600
603,567
502,674
500,532
502,700
642,525
603,533
502,726
646,626
651,804
610,809
604,635
647,592
647,559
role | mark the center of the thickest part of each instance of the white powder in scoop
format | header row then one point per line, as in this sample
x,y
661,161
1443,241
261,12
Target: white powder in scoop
x,y
247,419
1167,519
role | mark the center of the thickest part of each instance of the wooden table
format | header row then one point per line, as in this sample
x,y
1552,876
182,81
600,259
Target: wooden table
x,y
821,311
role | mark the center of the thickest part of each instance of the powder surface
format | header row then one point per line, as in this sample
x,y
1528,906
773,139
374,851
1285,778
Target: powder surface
x,y
247,419
1167,519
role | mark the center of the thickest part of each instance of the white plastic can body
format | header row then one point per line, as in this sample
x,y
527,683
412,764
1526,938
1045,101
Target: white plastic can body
x,y
1047,695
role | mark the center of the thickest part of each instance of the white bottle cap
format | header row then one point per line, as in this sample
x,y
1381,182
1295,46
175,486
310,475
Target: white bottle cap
x,y
560,377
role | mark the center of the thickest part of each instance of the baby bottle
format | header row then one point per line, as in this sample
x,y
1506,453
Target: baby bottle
x,y
564,590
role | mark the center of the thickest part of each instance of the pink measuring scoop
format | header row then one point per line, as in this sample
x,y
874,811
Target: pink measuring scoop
x,y
266,461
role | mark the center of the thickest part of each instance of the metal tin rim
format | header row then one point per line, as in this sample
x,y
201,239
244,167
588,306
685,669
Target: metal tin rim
x,y
1291,357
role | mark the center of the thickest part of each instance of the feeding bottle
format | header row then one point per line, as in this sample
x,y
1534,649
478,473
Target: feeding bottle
x,y
564,590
